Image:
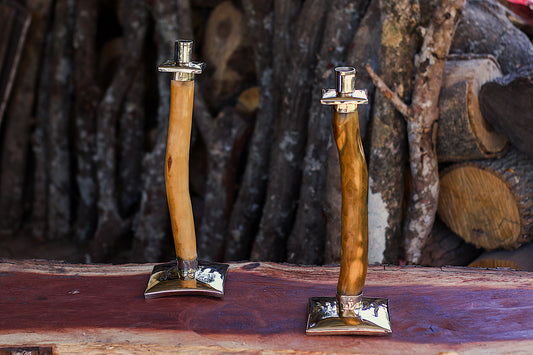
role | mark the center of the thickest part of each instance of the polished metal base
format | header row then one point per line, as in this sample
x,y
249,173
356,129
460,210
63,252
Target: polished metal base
x,y
324,319
209,281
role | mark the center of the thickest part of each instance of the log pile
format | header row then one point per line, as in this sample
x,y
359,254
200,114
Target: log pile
x,y
488,202
82,140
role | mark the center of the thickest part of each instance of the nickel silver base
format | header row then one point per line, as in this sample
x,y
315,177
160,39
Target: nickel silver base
x,y
324,319
209,281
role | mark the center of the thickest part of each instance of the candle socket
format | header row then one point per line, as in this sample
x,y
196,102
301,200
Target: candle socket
x,y
349,312
181,67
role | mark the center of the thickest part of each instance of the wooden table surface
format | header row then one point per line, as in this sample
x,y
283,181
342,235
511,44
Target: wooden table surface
x,y
71,309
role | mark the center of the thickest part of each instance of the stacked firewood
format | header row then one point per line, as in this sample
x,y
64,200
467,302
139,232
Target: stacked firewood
x,y
486,199
83,136
489,202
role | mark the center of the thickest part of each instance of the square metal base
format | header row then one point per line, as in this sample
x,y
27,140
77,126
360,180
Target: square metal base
x,y
209,281
374,318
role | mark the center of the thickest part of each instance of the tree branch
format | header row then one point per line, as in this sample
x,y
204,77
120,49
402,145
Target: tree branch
x,y
421,130
398,103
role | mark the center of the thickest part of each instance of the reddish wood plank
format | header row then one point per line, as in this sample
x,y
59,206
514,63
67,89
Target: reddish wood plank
x,y
77,308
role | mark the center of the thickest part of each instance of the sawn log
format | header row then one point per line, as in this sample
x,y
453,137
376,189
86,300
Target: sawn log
x,y
489,203
463,132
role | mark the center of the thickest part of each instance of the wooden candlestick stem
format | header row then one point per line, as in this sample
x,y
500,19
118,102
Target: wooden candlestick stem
x,y
354,216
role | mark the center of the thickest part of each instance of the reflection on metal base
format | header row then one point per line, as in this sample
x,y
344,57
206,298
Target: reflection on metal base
x,y
209,281
324,318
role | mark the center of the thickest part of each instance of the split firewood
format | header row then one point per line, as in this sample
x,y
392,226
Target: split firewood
x,y
519,259
59,207
226,52
289,64
489,202
110,54
152,223
272,77
39,210
309,226
131,147
507,105
363,49
444,247
87,97
485,28
111,226
14,23
421,117
463,132
248,101
388,138
288,146
249,202
224,137
519,13
421,130
19,117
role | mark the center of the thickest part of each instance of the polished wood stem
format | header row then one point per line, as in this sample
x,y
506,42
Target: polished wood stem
x,y
354,213
177,168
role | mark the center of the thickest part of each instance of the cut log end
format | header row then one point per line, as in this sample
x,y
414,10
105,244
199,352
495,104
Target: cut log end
x,y
464,133
487,202
519,259
506,103
484,214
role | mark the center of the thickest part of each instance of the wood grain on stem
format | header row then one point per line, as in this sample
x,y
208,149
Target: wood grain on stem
x,y
354,213
177,168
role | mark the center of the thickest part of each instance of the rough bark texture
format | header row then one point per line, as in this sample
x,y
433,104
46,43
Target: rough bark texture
x,y
15,20
39,143
224,137
15,141
152,221
421,128
309,226
111,227
85,107
387,152
289,138
59,209
489,202
506,104
464,133
93,174
485,29
131,147
248,205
